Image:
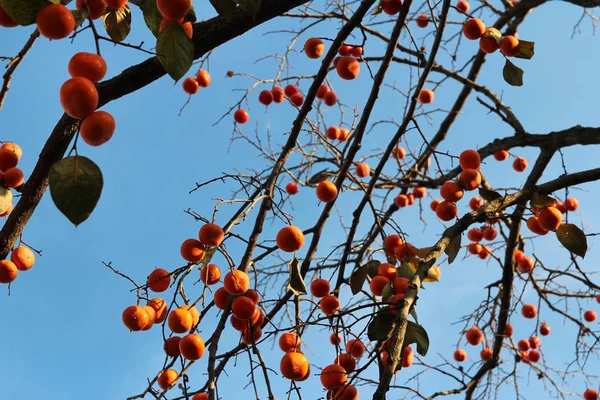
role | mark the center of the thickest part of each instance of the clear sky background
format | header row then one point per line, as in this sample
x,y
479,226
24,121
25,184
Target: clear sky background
x,y
61,326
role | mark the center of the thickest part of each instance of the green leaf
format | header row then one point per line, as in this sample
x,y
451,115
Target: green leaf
x,y
118,23
453,248
489,195
80,17
417,334
23,11
208,255
542,201
250,6
573,239
512,74
75,187
373,268
152,16
525,50
388,292
413,312
296,284
382,325
6,198
175,51
224,8
406,271
493,32
357,279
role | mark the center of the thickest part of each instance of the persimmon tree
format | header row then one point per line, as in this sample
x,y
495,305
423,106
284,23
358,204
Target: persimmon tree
x,y
361,294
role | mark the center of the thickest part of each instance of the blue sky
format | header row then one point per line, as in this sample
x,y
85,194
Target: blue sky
x,y
63,336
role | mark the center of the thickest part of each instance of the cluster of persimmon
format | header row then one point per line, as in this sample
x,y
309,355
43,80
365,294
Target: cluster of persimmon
x,y
519,163
549,218
490,39
192,84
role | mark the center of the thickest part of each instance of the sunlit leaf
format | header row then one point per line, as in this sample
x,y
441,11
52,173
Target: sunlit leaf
x,y
573,239
378,9
512,74
526,49
493,32
296,284
75,187
118,23
6,198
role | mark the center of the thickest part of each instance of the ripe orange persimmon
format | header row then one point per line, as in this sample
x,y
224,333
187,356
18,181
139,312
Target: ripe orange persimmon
x,y
171,346
357,51
211,234
210,274
241,116
508,330
116,3
335,339
356,348
8,271
203,78
319,287
475,203
333,376
297,99
173,10
291,188
391,7
486,354
87,65
470,179
463,6
460,355
405,250
236,282
426,96
446,211
187,27
251,336
243,308
346,361
55,21
489,232
534,226
13,177
151,317
590,394
6,21
561,207
167,379
400,285
160,309
322,91
78,96
289,341
15,148
290,239
590,315
98,128
330,98
8,159
529,311
200,396
333,133
388,270
191,347
509,46
190,85
469,159
344,135
485,252
474,248
408,357
23,258
434,204
525,265
265,97
363,170
451,191
329,305
135,318
550,218
392,242
377,284
422,20
473,29
518,255
314,48
572,204
401,201
180,320
520,164
475,235
290,90
523,345
192,250
501,155
488,44
327,191
474,336
159,280
534,342
348,68
294,366
398,153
